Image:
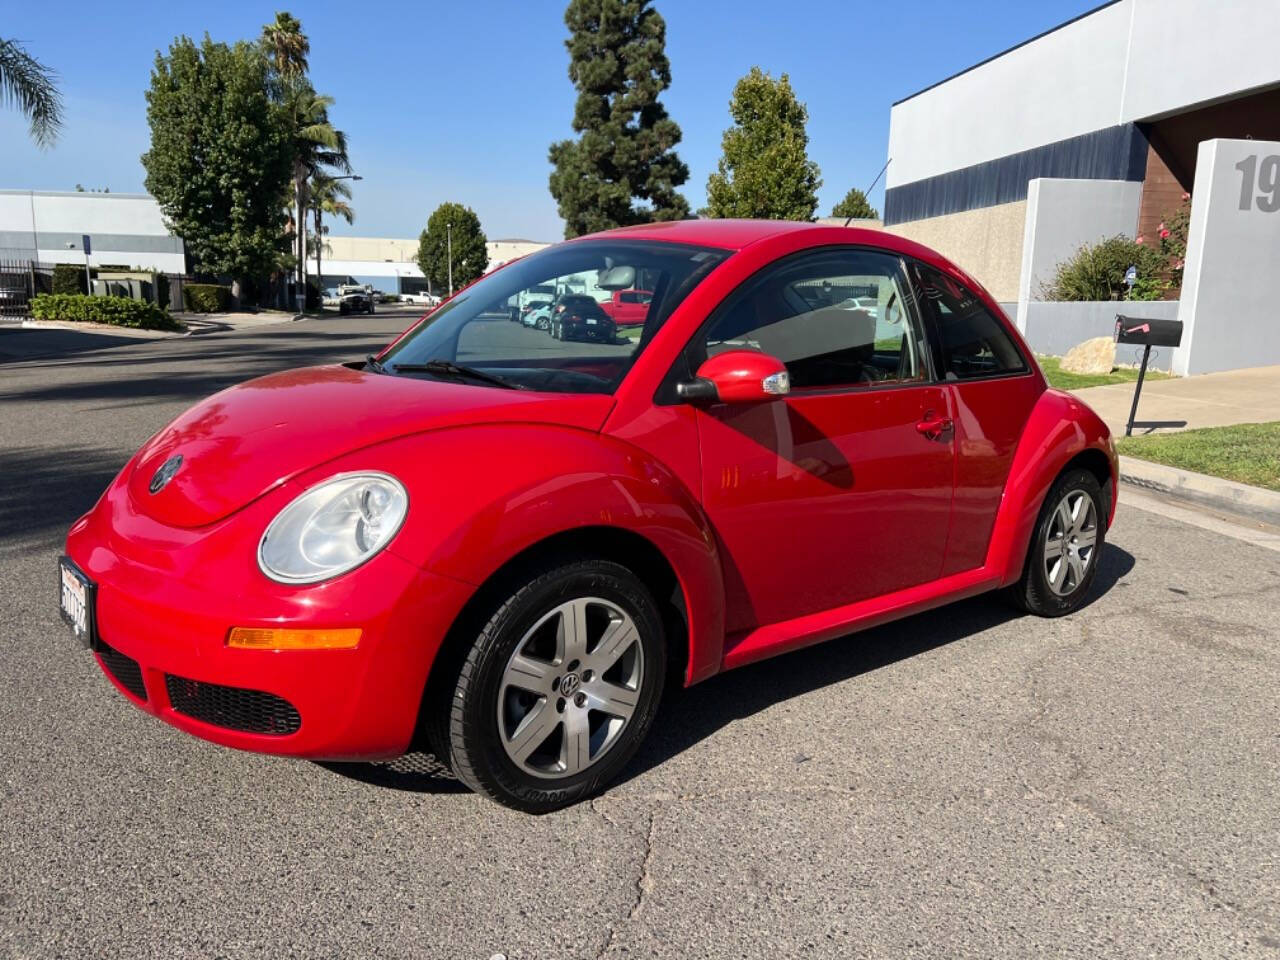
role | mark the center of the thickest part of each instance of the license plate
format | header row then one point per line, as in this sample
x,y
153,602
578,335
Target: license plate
x,y
75,599
591,321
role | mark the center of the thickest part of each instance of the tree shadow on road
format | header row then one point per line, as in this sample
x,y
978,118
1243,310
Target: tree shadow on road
x,y
42,490
689,716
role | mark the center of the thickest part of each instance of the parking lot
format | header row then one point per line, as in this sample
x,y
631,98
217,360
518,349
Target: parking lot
x,y
965,783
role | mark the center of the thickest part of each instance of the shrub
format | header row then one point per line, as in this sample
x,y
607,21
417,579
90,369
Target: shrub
x,y
117,311
206,297
1096,272
68,278
1173,232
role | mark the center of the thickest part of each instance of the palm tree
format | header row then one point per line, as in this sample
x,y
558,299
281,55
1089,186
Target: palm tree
x,y
28,84
317,148
328,196
286,46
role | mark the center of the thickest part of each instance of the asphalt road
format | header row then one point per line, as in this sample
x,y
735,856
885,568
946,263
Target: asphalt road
x,y
966,783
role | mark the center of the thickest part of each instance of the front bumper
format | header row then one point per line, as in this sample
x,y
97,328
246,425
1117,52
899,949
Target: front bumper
x,y
168,597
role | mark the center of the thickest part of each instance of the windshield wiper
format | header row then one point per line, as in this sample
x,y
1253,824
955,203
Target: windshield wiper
x,y
447,368
374,364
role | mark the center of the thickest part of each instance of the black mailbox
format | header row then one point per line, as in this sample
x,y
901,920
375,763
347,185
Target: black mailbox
x,y
1148,333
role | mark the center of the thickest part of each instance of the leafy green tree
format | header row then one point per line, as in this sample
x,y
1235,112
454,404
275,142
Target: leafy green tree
x,y
765,171
470,256
855,205
626,148
29,85
329,197
220,156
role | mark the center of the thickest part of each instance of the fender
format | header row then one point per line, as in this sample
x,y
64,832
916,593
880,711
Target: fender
x,y
1061,426
509,487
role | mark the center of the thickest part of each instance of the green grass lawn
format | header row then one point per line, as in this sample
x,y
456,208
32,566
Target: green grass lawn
x,y
1057,377
1247,453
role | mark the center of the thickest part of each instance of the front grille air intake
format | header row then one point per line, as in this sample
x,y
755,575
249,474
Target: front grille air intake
x,y
125,669
235,708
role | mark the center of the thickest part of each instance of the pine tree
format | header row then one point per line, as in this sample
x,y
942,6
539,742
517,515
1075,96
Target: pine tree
x,y
765,171
625,151
855,205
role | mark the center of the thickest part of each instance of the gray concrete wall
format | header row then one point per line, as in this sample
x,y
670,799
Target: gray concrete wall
x,y
1064,215
1230,308
1054,328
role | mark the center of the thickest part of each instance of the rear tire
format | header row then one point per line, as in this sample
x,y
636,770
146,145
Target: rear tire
x,y
1066,546
558,689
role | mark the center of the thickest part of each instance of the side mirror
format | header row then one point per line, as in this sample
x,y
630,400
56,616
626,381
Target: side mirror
x,y
738,376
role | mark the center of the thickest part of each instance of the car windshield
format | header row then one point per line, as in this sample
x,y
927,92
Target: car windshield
x,y
543,322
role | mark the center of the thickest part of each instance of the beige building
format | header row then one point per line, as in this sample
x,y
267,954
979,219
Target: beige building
x,y
389,262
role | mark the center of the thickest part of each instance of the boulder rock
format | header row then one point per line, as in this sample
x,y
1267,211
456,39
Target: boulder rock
x,y
1093,356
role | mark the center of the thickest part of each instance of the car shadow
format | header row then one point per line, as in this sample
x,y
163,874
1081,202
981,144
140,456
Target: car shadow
x,y
688,716
415,772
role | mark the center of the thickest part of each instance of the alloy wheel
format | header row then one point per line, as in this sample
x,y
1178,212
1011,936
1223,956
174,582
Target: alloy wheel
x,y
1070,542
570,688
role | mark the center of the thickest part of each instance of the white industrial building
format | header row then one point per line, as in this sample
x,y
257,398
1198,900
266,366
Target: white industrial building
x,y
1095,128
125,230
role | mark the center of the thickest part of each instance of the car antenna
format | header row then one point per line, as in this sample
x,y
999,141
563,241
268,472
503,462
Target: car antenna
x,y
873,184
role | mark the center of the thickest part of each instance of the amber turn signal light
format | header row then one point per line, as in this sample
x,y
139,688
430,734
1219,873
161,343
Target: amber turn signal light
x,y
256,638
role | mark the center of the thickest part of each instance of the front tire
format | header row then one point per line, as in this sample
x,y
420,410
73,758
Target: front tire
x,y
559,688
1062,560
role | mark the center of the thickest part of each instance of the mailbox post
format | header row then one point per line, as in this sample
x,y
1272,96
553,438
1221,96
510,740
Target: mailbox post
x,y
1148,333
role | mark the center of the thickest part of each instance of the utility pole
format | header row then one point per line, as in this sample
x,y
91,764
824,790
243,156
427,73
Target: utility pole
x,y
448,230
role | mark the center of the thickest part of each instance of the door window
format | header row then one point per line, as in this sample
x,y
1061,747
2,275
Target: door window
x,y
974,343
837,318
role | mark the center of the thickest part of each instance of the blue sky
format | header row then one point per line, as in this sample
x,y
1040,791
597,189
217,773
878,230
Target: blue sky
x,y
459,101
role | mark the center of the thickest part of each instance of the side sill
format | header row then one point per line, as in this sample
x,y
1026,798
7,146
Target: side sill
x,y
778,638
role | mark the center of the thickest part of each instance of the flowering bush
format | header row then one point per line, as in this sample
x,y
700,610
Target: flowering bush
x,y
1173,240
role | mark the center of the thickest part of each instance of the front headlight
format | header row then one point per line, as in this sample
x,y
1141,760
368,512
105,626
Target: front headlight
x,y
334,526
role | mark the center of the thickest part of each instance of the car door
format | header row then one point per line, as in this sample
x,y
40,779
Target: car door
x,y
840,491
993,391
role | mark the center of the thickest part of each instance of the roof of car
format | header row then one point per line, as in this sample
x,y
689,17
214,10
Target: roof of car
x,y
727,234
737,234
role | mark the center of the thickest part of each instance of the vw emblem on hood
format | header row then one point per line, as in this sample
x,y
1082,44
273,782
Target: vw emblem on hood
x,y
167,469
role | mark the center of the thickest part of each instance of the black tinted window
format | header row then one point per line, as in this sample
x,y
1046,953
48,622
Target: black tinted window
x,y
974,343
836,318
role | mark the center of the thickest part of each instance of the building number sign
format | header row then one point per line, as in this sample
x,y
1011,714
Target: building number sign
x,y
1260,183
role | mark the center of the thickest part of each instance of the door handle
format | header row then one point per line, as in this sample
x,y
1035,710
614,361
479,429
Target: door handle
x,y
933,427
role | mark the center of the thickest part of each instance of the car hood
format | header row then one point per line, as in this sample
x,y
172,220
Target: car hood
x,y
242,442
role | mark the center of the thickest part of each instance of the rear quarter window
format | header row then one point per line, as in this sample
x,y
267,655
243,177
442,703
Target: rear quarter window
x,y
973,342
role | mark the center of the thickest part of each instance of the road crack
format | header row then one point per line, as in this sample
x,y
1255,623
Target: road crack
x,y
643,884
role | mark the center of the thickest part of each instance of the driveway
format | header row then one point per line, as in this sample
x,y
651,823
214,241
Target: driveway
x,y
967,782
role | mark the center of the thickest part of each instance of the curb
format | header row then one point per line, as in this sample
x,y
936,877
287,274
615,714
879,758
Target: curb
x,y
1227,495
136,333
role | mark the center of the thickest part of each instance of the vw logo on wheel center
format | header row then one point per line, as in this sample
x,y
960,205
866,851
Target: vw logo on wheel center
x,y
162,476
569,684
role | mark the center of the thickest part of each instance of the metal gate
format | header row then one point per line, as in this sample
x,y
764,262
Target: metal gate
x,y
19,282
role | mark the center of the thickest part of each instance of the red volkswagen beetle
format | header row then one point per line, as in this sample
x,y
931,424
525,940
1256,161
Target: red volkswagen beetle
x,y
508,544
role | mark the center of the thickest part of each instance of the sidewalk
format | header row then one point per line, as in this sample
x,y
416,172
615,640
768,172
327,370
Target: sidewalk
x,y
209,322
1184,403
